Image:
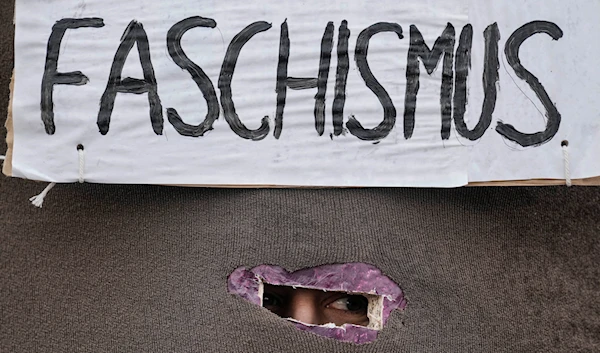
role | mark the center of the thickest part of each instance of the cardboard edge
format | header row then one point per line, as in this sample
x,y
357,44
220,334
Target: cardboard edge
x,y
594,181
10,132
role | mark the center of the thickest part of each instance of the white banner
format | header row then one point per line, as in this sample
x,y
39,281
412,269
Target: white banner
x,y
305,93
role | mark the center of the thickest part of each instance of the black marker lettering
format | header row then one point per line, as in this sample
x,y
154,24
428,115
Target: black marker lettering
x,y
282,76
490,79
324,66
134,34
231,57
513,44
389,111
284,82
52,76
444,45
341,79
202,80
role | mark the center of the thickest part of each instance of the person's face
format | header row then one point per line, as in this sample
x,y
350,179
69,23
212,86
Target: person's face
x,y
316,307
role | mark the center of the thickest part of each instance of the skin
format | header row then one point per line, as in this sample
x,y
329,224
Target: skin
x,y
316,307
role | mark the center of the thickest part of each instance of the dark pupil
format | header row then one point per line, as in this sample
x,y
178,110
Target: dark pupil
x,y
270,300
357,303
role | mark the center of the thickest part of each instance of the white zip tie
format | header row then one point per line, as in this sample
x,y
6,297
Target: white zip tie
x,y
38,200
2,158
81,152
565,148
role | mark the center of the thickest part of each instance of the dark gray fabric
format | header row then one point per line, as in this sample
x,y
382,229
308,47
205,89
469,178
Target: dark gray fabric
x,y
143,269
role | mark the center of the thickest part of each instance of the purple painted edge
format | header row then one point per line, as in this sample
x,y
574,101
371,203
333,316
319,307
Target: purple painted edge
x,y
350,277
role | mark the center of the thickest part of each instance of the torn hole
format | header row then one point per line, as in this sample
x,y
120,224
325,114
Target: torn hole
x,y
348,302
319,307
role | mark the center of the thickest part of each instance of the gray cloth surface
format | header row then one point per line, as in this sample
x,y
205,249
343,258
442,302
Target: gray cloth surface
x,y
143,269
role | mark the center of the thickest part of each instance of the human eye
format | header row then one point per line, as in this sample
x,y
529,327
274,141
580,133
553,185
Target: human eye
x,y
272,301
351,303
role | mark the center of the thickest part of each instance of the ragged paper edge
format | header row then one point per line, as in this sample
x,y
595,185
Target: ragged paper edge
x,y
10,131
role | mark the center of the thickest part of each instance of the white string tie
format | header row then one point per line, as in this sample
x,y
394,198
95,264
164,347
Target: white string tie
x,y
565,148
38,200
2,158
81,152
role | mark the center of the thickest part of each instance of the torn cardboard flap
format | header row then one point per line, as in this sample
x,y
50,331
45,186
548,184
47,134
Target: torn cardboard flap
x,y
10,137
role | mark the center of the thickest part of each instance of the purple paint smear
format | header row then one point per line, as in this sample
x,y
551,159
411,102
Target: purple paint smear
x,y
355,278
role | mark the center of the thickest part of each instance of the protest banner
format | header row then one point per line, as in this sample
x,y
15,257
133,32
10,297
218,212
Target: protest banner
x,y
437,93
